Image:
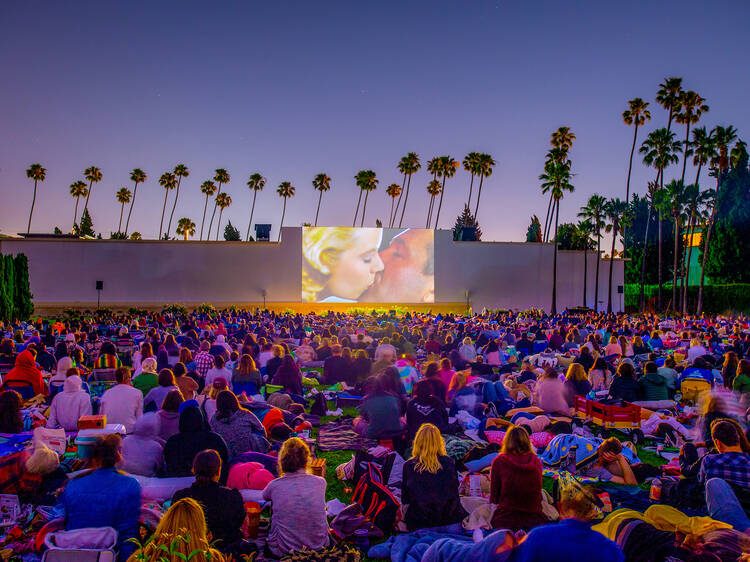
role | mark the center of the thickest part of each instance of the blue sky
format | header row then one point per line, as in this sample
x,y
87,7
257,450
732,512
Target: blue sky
x,y
292,89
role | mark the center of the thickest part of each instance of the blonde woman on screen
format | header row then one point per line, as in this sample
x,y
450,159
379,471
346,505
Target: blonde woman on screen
x,y
339,264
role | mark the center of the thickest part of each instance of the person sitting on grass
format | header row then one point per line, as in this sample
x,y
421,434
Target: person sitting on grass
x,y
379,412
183,520
69,405
429,484
299,503
223,507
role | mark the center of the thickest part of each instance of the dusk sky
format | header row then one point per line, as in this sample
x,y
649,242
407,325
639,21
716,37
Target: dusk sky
x,y
291,89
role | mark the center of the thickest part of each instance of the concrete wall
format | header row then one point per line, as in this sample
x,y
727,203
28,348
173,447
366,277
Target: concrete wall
x,y
495,274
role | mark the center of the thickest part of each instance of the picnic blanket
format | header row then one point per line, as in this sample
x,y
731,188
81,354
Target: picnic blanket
x,y
340,436
585,450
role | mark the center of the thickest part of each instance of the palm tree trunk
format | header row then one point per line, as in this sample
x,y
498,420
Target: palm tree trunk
x,y
547,219
364,209
130,210
685,154
75,214
356,212
218,225
471,187
174,205
479,196
406,199
611,267
699,308
252,210
643,261
693,225
33,202
390,217
429,211
86,205
283,212
398,203
659,300
627,186
585,271
598,260
554,263
213,214
440,206
163,209
119,225
320,198
205,206
676,220
687,251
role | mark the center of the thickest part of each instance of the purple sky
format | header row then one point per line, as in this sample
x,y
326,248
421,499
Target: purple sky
x,y
291,89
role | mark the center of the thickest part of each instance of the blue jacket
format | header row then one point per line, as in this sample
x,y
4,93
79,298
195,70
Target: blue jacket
x,y
104,498
571,541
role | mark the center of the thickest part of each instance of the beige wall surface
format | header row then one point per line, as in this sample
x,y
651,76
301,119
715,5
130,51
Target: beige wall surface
x,y
494,274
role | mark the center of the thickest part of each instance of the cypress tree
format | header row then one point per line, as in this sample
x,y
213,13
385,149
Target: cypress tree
x,y
9,283
24,304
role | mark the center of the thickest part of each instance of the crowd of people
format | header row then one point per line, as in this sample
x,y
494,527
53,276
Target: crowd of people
x,y
223,400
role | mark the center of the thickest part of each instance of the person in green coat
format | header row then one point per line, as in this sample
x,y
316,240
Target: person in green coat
x,y
653,384
742,380
148,378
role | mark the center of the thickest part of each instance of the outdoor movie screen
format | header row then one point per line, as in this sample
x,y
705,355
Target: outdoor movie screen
x,y
368,265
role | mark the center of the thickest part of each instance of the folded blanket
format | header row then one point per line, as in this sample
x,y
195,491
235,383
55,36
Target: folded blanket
x,y
585,450
340,436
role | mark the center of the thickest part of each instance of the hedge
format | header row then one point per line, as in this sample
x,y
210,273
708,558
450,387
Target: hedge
x,y
717,299
15,295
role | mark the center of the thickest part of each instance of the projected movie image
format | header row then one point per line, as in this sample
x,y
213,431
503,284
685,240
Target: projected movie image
x,y
368,265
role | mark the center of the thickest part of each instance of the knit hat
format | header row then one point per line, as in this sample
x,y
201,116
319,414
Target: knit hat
x,y
220,383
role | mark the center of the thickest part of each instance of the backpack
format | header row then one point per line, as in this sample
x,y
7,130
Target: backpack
x,y
319,407
363,460
379,505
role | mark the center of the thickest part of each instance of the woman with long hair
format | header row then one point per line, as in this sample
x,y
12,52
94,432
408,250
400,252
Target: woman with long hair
x,y
429,484
299,504
729,368
576,382
240,428
183,530
516,483
11,420
289,377
245,372
432,374
599,375
155,397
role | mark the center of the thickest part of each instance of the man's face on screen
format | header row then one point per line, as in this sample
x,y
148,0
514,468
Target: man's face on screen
x,y
406,277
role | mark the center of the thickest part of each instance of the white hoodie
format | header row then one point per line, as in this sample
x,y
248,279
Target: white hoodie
x,y
69,405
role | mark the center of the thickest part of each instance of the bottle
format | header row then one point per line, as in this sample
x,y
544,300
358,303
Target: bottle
x,y
655,492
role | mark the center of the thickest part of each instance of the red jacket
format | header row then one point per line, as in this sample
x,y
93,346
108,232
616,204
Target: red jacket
x,y
516,488
27,372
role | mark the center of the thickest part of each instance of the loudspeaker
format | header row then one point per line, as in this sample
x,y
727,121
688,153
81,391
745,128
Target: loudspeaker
x,y
262,232
100,285
620,289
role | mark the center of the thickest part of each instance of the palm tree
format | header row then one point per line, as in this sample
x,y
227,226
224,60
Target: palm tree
x,y
185,227
674,194
285,190
256,182
693,197
360,179
562,141
739,151
693,107
78,189
703,149
223,200
321,183
563,138
393,191
616,212
136,236
123,198
653,189
555,155
594,211
37,173
137,176
637,114
448,167
433,188
168,181
669,96
706,214
208,188
370,183
408,165
180,171
94,175
723,137
585,229
471,165
221,176
485,164
660,149
556,178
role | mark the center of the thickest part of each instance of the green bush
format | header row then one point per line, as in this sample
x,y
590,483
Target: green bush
x,y
717,299
24,304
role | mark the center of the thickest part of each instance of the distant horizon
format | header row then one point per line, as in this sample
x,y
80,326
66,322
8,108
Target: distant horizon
x,y
353,87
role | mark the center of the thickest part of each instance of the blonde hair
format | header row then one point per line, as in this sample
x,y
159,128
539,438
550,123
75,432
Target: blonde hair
x,y
576,372
516,441
321,250
43,460
293,456
277,351
184,519
428,446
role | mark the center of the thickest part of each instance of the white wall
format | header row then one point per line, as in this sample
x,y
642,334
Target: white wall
x,y
495,274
